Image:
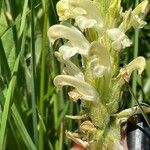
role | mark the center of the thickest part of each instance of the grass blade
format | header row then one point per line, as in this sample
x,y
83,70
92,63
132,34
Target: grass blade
x,y
23,18
42,80
141,109
136,47
6,109
34,113
4,63
22,130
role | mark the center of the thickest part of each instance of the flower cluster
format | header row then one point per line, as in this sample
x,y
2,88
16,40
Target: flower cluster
x,y
98,35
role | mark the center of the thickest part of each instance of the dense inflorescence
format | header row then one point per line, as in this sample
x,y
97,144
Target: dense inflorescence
x,y
96,30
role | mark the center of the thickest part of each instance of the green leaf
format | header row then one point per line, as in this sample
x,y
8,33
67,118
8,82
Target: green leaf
x,y
6,108
23,17
20,125
61,116
5,70
3,22
22,129
9,47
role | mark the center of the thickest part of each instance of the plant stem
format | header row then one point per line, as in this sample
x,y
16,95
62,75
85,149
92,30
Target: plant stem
x,y
33,94
136,47
56,117
141,109
42,80
61,137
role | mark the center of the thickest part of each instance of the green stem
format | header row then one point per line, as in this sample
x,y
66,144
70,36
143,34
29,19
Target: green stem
x,y
141,109
55,96
42,80
33,94
55,109
136,47
61,137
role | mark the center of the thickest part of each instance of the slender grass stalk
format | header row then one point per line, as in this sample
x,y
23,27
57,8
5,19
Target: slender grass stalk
x,y
56,118
141,109
23,18
55,98
70,112
136,47
55,109
61,137
18,20
34,114
42,80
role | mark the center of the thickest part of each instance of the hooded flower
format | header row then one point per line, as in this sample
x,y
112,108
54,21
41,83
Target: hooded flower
x,y
75,78
99,59
85,13
119,39
136,64
70,68
77,43
86,91
134,18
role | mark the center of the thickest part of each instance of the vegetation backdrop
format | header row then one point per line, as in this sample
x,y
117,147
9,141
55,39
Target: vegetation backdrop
x,y
28,98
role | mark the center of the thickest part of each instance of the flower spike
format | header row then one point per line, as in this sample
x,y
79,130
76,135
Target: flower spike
x,y
94,34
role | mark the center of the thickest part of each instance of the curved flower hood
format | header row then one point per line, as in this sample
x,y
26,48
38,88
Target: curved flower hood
x,y
77,42
85,13
86,91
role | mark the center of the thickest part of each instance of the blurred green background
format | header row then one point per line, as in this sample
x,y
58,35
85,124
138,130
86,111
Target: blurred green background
x,y
32,110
